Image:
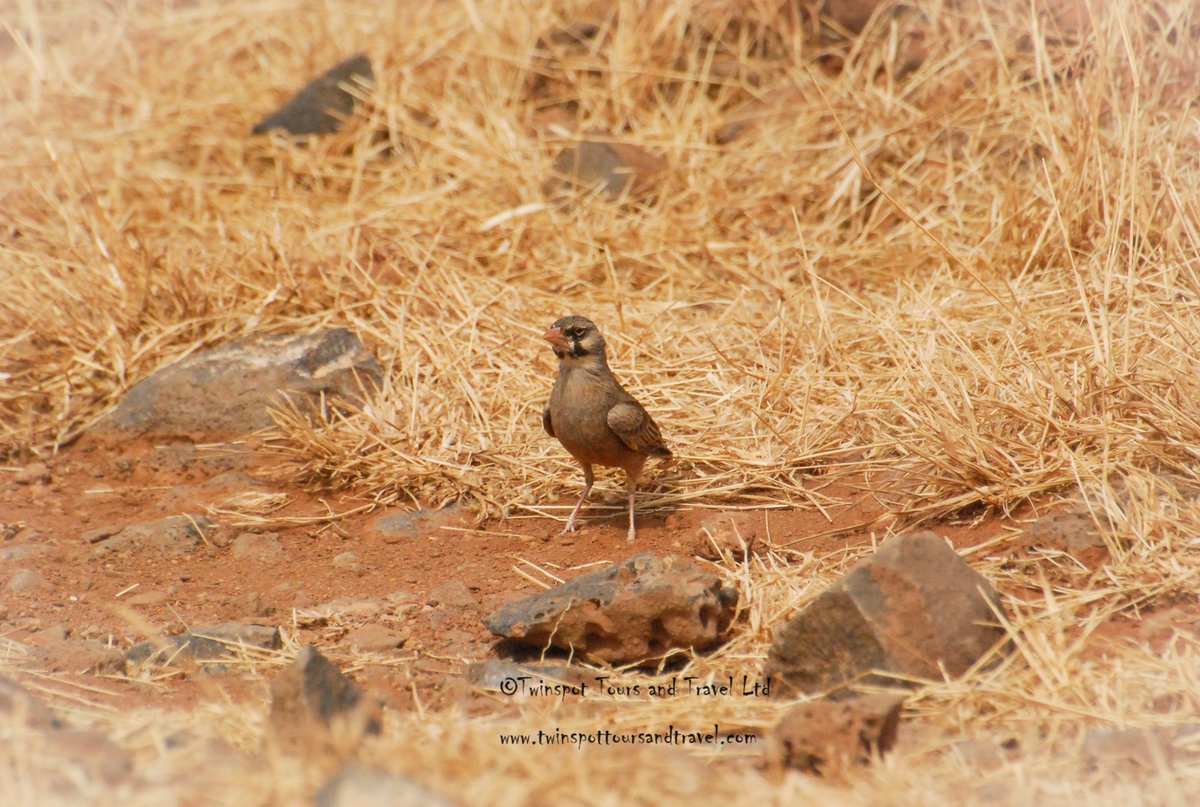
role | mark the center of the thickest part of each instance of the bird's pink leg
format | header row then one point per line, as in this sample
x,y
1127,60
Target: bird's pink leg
x,y
631,483
588,479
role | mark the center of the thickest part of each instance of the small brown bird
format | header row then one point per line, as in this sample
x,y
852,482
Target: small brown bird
x,y
593,416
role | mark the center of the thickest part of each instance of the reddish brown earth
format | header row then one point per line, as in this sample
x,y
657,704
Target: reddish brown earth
x,y
127,597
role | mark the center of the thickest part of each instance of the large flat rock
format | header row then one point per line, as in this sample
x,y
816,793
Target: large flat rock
x,y
230,390
635,611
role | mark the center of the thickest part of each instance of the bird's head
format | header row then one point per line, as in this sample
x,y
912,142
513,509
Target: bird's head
x,y
575,338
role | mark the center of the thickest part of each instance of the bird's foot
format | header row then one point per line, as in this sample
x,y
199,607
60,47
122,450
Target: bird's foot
x,y
632,535
571,527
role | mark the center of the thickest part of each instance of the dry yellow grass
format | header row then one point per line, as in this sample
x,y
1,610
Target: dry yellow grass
x,y
976,283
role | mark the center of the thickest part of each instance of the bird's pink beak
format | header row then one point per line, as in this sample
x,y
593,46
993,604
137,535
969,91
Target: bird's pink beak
x,y
555,337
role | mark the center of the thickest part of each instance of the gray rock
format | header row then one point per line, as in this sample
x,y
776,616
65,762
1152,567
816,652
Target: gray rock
x,y
205,643
636,611
230,390
310,697
362,787
324,103
912,609
168,536
24,581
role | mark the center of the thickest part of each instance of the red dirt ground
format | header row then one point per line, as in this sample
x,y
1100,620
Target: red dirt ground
x,y
124,598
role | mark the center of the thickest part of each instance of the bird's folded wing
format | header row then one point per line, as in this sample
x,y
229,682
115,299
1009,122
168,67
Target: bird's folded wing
x,y
636,428
546,424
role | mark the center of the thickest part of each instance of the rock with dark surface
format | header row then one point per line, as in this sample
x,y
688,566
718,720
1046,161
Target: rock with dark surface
x,y
830,738
362,787
913,609
230,390
636,611
324,103
616,168
168,536
205,643
314,706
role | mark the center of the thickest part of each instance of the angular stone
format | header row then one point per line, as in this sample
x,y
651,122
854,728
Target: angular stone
x,y
362,787
830,738
616,168
205,643
230,390
636,611
314,706
324,103
168,536
913,609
